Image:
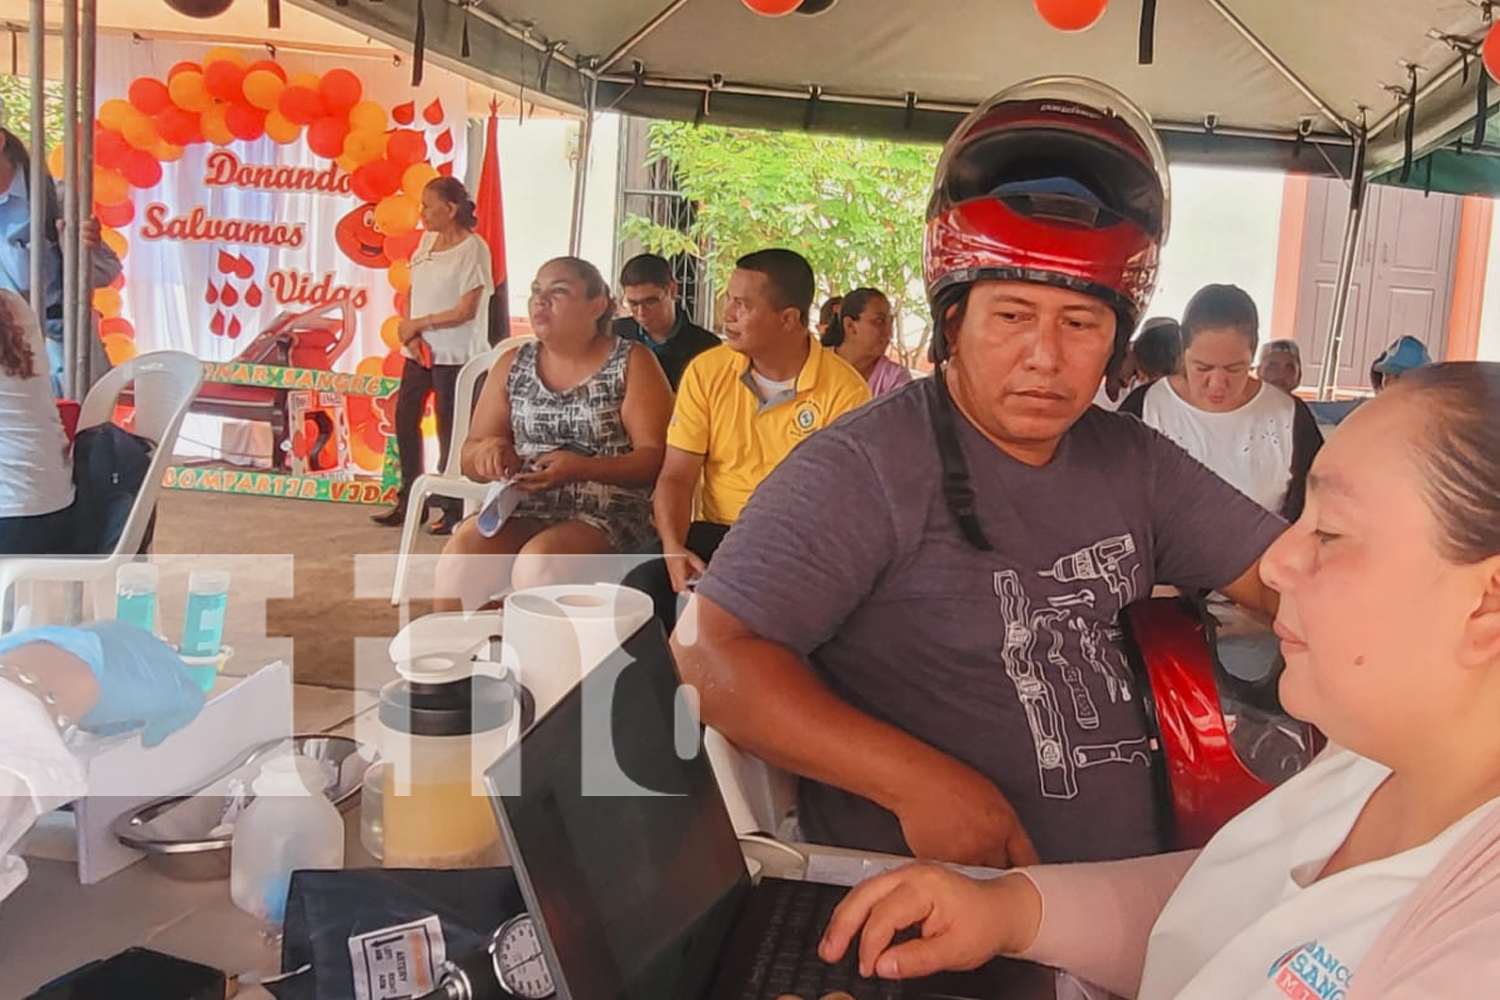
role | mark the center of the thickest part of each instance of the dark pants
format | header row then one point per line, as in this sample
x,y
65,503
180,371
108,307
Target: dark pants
x,y
703,540
411,400
37,535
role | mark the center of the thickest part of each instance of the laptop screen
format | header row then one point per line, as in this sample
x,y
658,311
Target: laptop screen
x,y
619,836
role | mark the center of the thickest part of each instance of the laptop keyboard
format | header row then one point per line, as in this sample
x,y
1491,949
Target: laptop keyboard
x,y
786,962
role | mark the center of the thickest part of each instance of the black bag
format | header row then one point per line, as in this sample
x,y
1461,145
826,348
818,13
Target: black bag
x,y
109,467
326,908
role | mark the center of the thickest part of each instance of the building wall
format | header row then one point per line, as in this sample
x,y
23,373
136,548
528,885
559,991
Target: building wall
x,y
1489,321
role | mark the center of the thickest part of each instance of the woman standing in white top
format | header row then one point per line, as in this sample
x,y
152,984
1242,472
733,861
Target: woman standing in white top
x,y
1256,437
446,326
36,474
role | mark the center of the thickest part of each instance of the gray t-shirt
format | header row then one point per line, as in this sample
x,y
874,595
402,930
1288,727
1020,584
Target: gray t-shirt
x,y
1010,661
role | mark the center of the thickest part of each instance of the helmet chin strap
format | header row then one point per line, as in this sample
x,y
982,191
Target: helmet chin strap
x,y
958,488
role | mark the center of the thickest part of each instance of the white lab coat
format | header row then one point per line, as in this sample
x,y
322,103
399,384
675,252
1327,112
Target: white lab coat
x,y
37,775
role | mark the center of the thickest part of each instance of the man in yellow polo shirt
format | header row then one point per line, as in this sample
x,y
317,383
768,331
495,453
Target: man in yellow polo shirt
x,y
741,408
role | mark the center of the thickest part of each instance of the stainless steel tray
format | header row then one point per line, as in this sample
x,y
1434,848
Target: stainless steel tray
x,y
188,836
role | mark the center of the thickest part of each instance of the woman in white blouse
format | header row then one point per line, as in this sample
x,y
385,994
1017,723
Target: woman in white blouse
x,y
1256,437
36,473
446,325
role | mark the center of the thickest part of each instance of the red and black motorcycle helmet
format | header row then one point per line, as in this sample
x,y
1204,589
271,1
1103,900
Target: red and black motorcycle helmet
x,y
1219,742
1059,181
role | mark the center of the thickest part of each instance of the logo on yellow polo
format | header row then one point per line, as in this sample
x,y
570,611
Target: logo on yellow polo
x,y
806,420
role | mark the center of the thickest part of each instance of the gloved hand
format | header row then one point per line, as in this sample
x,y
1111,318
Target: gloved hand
x,y
142,682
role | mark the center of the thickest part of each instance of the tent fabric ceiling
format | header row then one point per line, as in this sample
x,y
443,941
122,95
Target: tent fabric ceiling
x,y
908,70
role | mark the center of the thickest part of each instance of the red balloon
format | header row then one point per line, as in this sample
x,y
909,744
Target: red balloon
x,y
225,80
361,182
326,136
245,122
384,178
1071,15
116,216
149,96
177,126
773,8
269,65
393,364
301,105
340,90
141,169
183,67
406,146
1492,52
110,148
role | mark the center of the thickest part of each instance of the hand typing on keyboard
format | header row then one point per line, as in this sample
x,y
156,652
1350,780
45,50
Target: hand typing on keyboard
x,y
963,923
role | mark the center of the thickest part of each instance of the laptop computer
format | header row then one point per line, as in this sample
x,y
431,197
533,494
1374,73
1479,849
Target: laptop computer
x,y
627,859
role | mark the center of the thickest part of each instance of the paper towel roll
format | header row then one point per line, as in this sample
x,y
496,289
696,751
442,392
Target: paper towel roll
x,y
555,635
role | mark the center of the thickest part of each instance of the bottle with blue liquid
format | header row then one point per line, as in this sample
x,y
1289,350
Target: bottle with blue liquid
x,y
203,624
135,595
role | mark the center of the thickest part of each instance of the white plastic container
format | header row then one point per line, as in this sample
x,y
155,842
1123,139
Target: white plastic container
x,y
291,826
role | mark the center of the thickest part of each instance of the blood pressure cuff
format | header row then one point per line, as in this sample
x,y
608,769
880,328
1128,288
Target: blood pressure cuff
x,y
327,908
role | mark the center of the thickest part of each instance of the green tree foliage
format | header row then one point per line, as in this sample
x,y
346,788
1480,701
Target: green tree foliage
x,y
854,208
15,93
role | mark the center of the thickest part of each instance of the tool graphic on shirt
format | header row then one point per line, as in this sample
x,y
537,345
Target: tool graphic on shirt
x,y
1104,560
1084,711
1096,649
1136,751
1035,692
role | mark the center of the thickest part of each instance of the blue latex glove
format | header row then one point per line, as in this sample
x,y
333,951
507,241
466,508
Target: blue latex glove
x,y
142,682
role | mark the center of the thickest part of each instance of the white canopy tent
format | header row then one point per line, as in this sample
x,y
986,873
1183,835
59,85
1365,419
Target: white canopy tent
x,y
1347,87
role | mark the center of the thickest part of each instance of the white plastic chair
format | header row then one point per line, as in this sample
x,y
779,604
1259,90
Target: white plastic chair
x,y
760,798
164,384
450,480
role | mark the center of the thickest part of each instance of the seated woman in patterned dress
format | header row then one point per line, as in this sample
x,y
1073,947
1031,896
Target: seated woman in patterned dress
x,y
578,421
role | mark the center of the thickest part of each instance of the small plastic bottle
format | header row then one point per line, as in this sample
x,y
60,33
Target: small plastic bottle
x,y
203,624
291,826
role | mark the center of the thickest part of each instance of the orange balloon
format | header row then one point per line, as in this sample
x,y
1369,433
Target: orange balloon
x,y
114,113
367,116
371,367
263,88
388,335
304,79
415,178
140,132
216,125
281,130
55,162
398,214
116,327
1071,15
110,187
107,301
347,164
223,53
399,275
189,92
118,349
362,145
115,240
168,153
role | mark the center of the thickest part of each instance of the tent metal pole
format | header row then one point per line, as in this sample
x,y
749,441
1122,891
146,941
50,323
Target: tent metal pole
x,y
640,36
37,32
581,169
1343,286
88,57
1280,65
73,344
948,107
